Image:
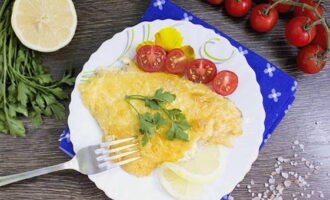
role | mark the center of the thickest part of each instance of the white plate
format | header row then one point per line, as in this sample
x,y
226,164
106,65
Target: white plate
x,y
118,184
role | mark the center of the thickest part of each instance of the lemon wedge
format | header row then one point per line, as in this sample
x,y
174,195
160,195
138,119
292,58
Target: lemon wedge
x,y
205,166
44,25
179,187
186,180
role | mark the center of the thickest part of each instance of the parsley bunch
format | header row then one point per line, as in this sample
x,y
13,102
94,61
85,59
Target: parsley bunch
x,y
150,123
26,89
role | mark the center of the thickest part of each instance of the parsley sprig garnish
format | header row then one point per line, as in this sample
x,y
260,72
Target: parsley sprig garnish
x,y
150,123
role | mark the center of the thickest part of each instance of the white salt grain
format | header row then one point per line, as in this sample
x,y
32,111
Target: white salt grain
x,y
296,142
252,182
238,185
277,170
285,175
271,181
287,183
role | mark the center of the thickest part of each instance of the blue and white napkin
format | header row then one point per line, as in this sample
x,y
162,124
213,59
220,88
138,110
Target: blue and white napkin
x,y
277,87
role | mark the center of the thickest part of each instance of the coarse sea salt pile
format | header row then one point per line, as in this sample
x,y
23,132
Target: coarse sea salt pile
x,y
283,177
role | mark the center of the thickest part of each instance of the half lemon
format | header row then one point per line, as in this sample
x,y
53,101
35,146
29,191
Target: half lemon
x,y
44,25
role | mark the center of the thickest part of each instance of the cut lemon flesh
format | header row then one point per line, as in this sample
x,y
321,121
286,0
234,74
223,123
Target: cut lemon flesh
x,y
44,25
205,166
179,187
185,180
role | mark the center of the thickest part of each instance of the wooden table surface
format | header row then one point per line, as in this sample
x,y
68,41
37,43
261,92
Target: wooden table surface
x,y
308,120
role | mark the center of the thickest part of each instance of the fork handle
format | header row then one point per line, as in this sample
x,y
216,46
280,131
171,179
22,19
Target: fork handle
x,y
5,180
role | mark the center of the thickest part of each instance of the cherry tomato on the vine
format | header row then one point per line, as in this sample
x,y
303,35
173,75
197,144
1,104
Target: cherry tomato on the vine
x,y
151,58
281,7
215,2
300,11
311,60
321,36
238,8
299,31
262,19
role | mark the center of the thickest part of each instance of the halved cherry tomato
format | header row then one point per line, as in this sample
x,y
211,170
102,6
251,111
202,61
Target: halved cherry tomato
x,y
151,58
298,33
300,11
238,8
201,71
176,62
225,83
261,21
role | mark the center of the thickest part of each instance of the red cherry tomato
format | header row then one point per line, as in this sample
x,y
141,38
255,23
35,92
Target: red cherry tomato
x,y
321,36
281,7
201,71
238,8
215,2
311,60
300,11
296,32
151,58
225,83
263,22
176,62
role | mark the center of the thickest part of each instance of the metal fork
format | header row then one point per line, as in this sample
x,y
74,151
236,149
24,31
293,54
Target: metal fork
x,y
89,160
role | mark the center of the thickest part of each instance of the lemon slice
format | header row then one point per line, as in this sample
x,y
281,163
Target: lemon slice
x,y
179,187
205,166
44,25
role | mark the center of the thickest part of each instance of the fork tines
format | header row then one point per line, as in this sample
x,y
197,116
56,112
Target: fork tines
x,y
104,157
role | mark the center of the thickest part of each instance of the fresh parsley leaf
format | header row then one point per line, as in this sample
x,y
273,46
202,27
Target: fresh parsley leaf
x,y
22,91
180,134
183,124
58,111
163,97
176,114
159,121
146,124
171,132
152,104
145,140
16,127
176,131
36,119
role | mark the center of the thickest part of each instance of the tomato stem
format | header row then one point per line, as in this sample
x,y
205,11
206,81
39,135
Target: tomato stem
x,y
321,19
267,10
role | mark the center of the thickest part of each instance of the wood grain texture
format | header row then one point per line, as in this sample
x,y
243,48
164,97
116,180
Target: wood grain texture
x,y
307,121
